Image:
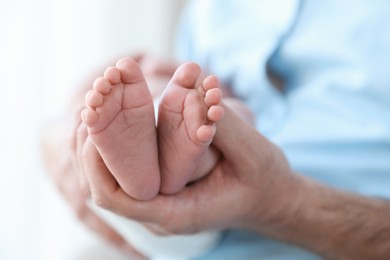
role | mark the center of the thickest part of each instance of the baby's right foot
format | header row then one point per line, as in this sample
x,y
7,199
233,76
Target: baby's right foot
x,y
121,124
186,125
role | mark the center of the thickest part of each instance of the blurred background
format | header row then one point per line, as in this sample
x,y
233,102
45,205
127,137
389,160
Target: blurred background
x,y
47,48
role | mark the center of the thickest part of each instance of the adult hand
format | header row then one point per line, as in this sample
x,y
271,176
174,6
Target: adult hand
x,y
248,187
252,187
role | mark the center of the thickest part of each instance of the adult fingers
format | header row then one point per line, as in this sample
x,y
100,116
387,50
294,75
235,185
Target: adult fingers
x,y
206,204
203,205
101,182
80,139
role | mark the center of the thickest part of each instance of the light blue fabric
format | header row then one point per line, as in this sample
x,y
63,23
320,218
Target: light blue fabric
x,y
333,119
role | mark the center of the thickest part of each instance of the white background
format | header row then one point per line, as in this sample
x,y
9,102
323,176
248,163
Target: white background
x,y
46,48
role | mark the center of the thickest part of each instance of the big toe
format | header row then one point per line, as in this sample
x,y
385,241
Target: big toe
x,y
129,70
187,75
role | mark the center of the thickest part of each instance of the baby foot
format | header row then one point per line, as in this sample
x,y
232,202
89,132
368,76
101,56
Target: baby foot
x,y
121,124
186,125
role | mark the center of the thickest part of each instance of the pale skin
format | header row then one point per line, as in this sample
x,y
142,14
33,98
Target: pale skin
x,y
120,123
121,107
278,202
187,118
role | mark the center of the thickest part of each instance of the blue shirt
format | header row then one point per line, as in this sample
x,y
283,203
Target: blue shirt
x,y
332,119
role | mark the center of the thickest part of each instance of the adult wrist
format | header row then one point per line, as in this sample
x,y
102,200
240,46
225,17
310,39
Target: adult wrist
x,y
279,198
284,207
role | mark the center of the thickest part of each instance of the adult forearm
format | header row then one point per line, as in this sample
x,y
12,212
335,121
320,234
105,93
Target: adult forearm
x,y
338,225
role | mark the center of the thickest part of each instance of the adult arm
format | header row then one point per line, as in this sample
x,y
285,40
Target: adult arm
x,y
339,225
